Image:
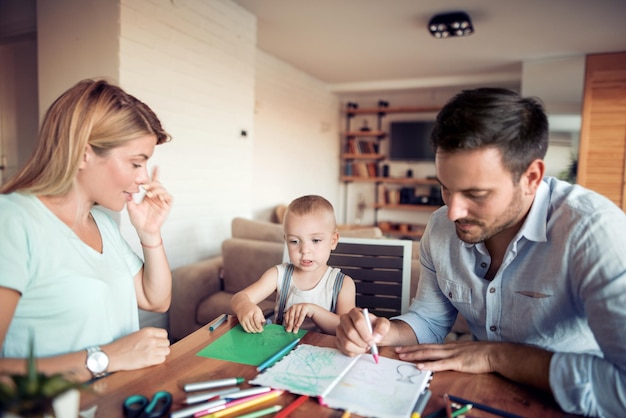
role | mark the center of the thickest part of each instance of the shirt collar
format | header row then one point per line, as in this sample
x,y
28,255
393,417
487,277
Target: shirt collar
x,y
534,227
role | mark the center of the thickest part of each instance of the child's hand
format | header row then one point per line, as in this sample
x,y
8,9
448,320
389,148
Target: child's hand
x,y
251,318
295,316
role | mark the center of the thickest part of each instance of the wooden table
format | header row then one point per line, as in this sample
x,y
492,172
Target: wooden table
x,y
184,366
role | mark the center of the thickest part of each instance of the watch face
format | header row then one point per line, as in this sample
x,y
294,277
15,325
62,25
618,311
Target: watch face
x,y
97,362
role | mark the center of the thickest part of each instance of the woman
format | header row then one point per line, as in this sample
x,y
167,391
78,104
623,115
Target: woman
x,y
68,280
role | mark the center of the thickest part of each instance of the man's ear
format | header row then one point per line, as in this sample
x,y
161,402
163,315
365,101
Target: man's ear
x,y
533,176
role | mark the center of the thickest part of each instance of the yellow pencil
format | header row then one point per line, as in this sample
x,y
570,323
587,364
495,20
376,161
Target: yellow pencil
x,y
346,414
252,402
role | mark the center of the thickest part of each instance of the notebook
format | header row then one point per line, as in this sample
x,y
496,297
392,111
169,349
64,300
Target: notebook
x,y
389,389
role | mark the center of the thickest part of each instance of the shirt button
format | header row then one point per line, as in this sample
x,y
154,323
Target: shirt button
x,y
483,265
492,290
450,295
493,328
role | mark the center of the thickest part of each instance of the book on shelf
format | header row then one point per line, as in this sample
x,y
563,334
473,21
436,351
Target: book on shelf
x,y
366,147
381,194
352,149
389,389
362,169
372,169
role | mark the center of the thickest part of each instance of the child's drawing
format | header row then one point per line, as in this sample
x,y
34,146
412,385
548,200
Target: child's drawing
x,y
357,384
406,372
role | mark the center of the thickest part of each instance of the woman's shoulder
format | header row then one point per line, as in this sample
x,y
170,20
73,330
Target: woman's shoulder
x,y
17,205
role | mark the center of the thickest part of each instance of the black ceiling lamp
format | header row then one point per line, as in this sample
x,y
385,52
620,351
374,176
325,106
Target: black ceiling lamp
x,y
445,25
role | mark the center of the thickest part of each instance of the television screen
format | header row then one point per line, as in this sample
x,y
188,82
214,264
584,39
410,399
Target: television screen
x,y
410,141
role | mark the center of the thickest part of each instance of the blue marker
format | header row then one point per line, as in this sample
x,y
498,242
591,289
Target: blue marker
x,y
277,356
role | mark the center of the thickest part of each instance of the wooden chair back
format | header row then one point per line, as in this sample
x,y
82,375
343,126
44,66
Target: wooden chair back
x,y
381,270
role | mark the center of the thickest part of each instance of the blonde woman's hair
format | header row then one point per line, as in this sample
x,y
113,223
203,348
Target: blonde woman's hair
x,y
93,112
311,204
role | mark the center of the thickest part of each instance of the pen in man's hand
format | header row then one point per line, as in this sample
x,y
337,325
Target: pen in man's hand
x,y
374,348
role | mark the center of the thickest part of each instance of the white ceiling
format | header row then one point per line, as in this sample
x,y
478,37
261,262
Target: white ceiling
x,y
359,45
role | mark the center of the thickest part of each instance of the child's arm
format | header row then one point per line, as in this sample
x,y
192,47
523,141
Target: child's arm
x,y
244,303
323,319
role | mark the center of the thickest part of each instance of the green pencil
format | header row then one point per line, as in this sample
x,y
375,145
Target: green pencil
x,y
462,410
262,412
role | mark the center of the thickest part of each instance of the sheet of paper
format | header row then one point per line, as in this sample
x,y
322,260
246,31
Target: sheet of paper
x,y
238,346
357,384
385,390
307,370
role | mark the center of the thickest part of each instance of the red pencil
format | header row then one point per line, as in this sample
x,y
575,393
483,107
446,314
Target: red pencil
x,y
292,406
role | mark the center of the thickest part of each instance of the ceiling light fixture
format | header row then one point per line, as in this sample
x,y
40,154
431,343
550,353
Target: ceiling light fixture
x,y
445,25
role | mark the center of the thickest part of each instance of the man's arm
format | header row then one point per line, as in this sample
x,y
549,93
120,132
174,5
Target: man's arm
x,y
521,363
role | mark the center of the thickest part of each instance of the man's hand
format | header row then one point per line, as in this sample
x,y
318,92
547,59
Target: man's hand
x,y
467,356
521,363
353,335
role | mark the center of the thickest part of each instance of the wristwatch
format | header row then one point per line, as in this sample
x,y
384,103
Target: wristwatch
x,y
97,362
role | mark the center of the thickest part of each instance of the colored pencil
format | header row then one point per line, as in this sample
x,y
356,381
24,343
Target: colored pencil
x,y
239,404
446,400
219,321
262,412
420,405
461,410
257,390
206,396
191,410
374,348
210,384
483,407
292,407
277,356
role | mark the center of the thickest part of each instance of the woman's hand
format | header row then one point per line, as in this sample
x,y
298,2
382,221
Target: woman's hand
x,y
148,216
147,347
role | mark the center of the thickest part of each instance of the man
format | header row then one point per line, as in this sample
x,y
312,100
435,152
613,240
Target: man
x,y
537,266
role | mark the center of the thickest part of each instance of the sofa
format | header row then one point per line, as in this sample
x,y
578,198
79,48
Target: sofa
x,y
202,290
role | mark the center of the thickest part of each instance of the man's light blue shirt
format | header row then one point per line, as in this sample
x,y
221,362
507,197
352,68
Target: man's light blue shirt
x,y
561,286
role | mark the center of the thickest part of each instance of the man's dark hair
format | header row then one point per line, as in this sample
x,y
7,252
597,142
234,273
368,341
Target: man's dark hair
x,y
494,117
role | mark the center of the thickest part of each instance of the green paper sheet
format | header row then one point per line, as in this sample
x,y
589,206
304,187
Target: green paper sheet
x,y
238,346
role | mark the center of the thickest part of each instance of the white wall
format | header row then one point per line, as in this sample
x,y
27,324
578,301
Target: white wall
x,y
193,63
196,64
296,147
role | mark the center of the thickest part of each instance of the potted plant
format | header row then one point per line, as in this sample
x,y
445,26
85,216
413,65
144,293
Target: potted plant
x,y
32,395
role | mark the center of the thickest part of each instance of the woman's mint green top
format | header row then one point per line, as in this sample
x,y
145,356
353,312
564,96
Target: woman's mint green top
x,y
72,296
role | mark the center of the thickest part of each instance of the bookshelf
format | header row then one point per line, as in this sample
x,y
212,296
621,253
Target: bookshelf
x,y
361,160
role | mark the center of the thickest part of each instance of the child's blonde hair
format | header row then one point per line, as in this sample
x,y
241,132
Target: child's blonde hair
x,y
311,204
